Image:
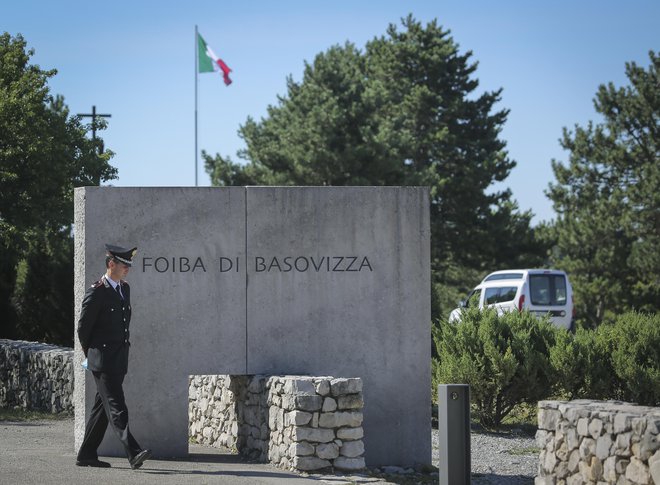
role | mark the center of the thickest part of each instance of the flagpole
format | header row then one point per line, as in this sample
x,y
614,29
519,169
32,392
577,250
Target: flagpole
x,y
196,69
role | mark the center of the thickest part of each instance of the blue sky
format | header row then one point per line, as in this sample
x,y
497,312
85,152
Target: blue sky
x,y
135,60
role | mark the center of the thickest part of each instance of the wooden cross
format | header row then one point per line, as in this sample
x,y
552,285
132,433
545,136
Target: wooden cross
x,y
95,115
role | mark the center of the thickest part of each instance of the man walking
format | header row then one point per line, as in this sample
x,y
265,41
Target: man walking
x,y
103,331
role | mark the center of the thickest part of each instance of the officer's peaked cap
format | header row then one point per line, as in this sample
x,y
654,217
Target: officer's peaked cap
x,y
120,254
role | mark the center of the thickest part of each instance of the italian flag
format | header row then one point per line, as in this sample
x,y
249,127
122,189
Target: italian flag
x,y
209,62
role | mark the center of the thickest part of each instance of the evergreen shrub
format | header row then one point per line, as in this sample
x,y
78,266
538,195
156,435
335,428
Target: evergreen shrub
x,y
505,359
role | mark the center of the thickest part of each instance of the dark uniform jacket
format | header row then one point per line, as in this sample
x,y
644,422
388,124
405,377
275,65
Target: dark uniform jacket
x,y
103,328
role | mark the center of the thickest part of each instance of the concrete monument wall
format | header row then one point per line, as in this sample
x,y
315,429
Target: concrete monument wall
x,y
268,280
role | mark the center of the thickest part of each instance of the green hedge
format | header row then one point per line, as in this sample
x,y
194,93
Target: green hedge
x,y
517,358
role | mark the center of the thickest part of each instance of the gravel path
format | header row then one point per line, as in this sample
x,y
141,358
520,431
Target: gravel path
x,y
510,459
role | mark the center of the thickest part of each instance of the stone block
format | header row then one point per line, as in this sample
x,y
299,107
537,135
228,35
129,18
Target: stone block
x,y
622,445
350,433
297,418
323,387
329,405
350,419
349,464
622,422
637,471
301,448
654,469
309,463
315,435
595,428
583,426
343,386
548,419
603,446
587,449
327,451
309,403
573,461
544,481
300,387
351,401
352,449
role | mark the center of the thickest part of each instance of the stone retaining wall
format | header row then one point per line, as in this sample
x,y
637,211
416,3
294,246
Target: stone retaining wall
x,y
295,422
596,442
36,376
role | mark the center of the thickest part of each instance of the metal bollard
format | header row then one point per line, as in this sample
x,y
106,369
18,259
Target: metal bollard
x,y
454,463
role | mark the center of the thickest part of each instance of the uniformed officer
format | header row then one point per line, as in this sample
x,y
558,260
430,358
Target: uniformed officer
x,y
103,331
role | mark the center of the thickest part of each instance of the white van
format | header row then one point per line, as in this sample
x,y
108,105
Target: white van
x,y
540,291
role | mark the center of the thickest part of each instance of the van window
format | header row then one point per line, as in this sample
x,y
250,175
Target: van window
x,y
548,290
505,276
500,294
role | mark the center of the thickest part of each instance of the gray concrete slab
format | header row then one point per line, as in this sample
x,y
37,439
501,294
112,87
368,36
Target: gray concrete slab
x,y
339,284
188,314
276,280
42,452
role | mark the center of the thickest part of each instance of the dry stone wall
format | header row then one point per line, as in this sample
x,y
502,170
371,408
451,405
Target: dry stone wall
x,y
294,422
596,442
36,376
230,412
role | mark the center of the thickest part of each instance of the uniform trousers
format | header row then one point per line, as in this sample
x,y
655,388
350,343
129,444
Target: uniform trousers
x,y
109,406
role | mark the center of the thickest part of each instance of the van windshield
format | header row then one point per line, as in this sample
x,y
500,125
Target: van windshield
x,y
500,294
548,289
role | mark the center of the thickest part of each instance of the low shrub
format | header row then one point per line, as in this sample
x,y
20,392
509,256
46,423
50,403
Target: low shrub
x,y
504,359
634,343
582,363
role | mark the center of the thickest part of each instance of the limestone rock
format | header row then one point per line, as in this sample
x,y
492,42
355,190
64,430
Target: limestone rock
x,y
300,387
603,446
349,464
327,451
548,419
323,387
573,461
352,449
595,428
301,448
315,435
654,467
329,405
308,463
338,419
583,427
622,422
343,386
309,403
351,401
297,418
350,433
637,471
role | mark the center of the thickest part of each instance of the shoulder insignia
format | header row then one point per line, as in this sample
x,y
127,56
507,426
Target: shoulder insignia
x,y
96,284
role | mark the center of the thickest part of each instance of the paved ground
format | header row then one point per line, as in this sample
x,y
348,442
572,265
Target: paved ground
x,y
41,452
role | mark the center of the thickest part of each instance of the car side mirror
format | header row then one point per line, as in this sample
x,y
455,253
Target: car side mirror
x,y
462,303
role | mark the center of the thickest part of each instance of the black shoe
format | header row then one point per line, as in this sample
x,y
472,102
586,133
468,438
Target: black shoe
x,y
137,460
95,462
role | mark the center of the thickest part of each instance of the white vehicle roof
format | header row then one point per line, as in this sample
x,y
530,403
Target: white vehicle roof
x,y
521,272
